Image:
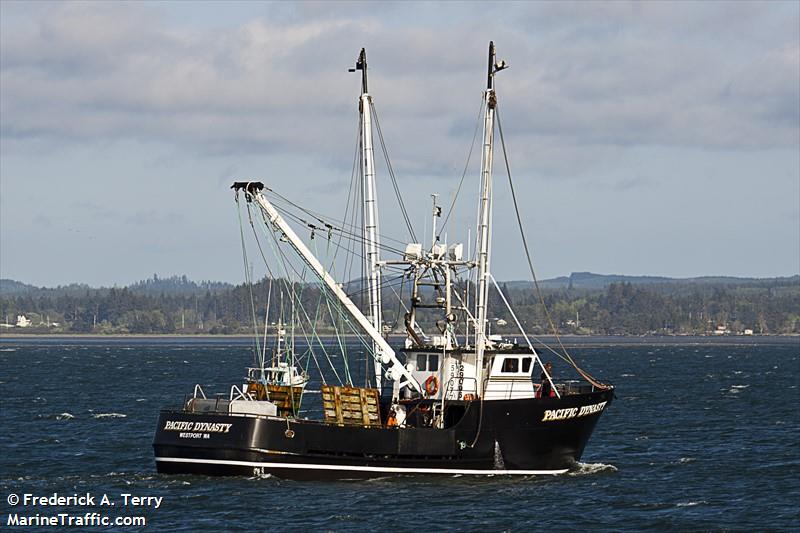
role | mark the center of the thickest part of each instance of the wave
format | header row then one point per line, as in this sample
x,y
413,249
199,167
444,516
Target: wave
x,y
65,416
109,415
587,469
691,504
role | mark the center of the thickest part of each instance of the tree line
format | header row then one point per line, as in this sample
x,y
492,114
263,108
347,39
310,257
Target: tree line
x,y
765,307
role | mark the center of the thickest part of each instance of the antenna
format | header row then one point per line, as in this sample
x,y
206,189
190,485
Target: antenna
x,y
361,64
494,66
437,212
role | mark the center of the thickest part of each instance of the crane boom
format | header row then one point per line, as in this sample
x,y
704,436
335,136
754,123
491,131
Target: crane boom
x,y
397,371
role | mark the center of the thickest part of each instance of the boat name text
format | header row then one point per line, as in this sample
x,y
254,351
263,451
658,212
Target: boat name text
x,y
551,415
205,427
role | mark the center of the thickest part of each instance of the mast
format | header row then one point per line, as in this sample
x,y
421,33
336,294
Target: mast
x,y
484,216
370,211
397,371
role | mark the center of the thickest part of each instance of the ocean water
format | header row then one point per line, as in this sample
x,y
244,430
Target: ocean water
x,y
702,437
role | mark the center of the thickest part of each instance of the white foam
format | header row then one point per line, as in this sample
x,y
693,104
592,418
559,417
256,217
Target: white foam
x,y
109,415
691,504
584,469
65,416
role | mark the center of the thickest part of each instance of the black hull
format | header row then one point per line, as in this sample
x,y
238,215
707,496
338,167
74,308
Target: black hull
x,y
510,437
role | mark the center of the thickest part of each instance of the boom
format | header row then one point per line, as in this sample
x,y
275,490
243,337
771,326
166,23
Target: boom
x,y
397,371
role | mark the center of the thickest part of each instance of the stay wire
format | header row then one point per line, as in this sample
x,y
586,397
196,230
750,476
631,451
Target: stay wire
x,y
569,358
247,277
324,219
466,166
327,227
392,175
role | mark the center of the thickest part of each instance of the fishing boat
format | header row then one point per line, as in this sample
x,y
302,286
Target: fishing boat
x,y
454,399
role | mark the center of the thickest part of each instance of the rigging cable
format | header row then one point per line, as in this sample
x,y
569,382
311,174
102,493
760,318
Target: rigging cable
x,y
569,359
330,228
282,256
247,276
323,291
392,176
463,174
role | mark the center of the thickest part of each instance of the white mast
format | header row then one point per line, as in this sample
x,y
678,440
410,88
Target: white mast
x,y
370,211
484,217
397,371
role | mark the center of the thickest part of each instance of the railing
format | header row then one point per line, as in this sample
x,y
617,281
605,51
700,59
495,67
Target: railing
x,y
574,386
206,405
239,394
445,391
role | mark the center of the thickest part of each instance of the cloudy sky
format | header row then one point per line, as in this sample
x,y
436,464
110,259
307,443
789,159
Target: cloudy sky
x,y
644,138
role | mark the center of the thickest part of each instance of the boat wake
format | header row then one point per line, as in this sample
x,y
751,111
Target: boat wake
x,y
691,503
588,469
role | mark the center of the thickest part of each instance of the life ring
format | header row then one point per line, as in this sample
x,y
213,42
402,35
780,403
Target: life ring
x,y
432,385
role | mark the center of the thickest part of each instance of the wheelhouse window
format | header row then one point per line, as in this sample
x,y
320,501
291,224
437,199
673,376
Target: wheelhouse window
x,y
526,364
511,364
428,362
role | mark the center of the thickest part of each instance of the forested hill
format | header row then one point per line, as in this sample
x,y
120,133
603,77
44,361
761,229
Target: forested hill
x,y
582,303
589,280
155,285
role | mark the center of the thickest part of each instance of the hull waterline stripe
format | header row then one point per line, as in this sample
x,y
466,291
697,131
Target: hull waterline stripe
x,y
356,468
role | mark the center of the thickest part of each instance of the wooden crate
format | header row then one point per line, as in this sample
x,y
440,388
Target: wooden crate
x,y
286,398
351,406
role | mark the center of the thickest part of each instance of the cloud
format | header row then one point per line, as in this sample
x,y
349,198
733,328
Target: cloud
x,y
635,182
585,77
605,104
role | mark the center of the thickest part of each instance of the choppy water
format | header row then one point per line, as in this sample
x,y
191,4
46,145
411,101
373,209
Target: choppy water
x,y
701,438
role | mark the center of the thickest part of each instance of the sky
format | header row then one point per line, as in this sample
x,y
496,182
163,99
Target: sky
x,y
644,138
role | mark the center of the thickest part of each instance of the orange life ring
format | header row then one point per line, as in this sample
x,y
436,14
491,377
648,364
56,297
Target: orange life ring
x,y
432,385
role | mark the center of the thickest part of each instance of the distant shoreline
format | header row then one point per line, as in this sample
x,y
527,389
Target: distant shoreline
x,y
567,340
